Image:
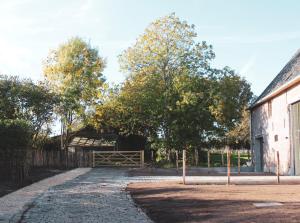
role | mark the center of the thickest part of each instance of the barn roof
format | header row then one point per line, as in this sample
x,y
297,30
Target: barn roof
x,y
90,137
92,142
290,71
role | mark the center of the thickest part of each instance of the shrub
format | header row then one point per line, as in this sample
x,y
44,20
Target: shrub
x,y
15,136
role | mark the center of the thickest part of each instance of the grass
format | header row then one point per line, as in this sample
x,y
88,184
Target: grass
x,y
215,160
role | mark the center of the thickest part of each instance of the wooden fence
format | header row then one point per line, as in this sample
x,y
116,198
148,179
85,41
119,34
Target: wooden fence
x,y
118,158
60,159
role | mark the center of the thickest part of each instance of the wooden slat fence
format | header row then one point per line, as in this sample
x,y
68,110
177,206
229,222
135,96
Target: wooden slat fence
x,y
60,159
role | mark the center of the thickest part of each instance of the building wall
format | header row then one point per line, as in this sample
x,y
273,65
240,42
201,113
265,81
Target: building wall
x,y
268,126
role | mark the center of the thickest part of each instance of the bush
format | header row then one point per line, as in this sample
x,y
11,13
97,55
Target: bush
x,y
15,136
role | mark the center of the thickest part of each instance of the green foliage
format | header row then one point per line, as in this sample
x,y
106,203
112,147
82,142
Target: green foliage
x,y
15,133
22,99
172,95
231,95
74,71
15,138
239,136
164,93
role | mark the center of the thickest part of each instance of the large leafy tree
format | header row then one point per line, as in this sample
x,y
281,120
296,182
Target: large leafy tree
x,y
239,136
25,100
171,94
192,121
167,50
231,95
74,71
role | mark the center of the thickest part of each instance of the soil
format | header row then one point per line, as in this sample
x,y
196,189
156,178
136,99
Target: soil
x,y
175,202
35,175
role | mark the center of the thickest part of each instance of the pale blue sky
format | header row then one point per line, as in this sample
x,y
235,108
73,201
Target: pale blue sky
x,y
256,38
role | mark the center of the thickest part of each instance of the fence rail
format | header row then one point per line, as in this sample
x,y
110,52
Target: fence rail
x,y
118,158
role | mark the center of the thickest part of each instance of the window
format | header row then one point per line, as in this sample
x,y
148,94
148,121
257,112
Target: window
x,y
270,108
276,138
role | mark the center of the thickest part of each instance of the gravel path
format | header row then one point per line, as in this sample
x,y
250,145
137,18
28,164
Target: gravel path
x,y
97,196
13,205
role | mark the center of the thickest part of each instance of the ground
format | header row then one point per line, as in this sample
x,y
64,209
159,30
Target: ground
x,y
100,195
80,195
175,202
35,174
97,196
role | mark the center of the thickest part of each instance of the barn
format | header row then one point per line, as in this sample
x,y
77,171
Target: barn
x,y
97,147
275,122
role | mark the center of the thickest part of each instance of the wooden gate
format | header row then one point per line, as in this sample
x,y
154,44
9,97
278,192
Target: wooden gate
x,y
118,158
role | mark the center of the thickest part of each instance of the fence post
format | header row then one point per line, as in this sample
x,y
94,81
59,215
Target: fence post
x,y
196,157
239,162
183,165
142,158
278,162
93,158
228,166
177,166
152,155
222,157
208,159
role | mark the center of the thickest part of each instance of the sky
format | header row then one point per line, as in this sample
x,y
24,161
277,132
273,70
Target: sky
x,y
255,38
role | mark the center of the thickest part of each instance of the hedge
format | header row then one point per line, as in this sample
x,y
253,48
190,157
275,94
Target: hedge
x,y
15,143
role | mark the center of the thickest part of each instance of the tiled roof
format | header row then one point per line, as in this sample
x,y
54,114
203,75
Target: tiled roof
x,y
288,73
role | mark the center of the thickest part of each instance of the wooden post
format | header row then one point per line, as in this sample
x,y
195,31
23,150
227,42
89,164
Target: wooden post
x,y
183,165
228,166
93,158
278,162
239,162
222,157
177,167
142,158
208,159
196,157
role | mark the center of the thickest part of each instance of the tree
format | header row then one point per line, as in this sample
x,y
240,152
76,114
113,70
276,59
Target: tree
x,y
171,94
25,100
166,51
192,120
239,136
231,94
74,71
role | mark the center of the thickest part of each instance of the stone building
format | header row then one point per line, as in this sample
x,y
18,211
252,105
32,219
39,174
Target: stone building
x,y
275,122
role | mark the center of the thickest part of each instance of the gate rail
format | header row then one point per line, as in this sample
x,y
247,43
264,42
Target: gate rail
x,y
118,158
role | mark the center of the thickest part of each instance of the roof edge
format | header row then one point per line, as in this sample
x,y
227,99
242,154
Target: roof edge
x,y
277,92
259,98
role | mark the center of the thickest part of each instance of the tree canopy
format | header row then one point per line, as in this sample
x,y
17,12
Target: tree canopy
x,y
74,72
25,100
172,94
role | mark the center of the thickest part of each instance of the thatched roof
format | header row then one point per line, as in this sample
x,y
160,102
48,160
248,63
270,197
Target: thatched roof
x,y
290,71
